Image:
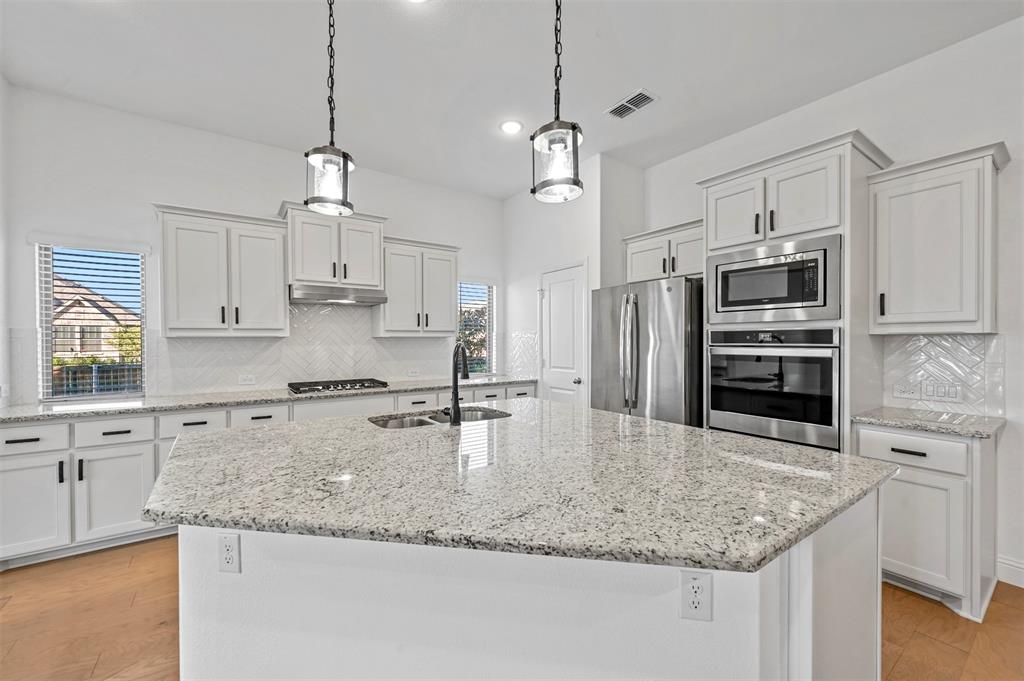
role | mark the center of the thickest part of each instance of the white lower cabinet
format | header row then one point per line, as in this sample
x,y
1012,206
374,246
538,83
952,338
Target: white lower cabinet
x,y
352,406
514,391
414,401
111,487
35,497
487,394
259,416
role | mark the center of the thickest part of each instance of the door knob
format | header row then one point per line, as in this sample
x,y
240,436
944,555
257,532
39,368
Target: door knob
x,y
577,381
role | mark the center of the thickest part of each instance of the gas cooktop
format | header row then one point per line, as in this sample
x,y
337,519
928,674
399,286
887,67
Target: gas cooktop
x,y
337,385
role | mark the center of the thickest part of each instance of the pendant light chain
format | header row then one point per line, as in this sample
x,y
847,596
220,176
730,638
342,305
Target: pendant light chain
x,y
330,68
558,58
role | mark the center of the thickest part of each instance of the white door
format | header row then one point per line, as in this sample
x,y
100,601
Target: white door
x,y
361,253
923,528
647,259
403,283
258,297
195,273
315,248
440,291
803,196
735,212
564,336
35,498
925,236
687,248
112,485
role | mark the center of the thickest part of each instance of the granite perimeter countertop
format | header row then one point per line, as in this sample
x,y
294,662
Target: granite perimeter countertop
x,y
148,404
946,422
552,479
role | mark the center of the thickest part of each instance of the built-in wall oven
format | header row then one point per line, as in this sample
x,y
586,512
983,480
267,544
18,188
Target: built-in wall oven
x,y
777,383
792,281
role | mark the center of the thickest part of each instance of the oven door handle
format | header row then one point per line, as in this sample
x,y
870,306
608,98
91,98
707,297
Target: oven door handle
x,y
771,349
634,346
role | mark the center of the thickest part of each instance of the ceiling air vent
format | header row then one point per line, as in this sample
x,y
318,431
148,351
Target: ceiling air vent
x,y
631,104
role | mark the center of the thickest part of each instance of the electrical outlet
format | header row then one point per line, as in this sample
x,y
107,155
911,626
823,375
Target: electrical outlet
x,y
412,373
228,553
907,391
246,379
696,595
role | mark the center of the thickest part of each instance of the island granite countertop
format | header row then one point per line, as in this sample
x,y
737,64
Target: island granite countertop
x,y
552,479
149,404
945,422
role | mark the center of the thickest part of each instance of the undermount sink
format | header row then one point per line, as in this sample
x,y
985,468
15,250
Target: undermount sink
x,y
401,421
471,414
435,417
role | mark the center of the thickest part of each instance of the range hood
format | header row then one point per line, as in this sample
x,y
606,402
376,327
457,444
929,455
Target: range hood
x,y
335,295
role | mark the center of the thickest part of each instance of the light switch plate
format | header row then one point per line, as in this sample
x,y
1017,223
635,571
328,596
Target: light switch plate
x,y
246,379
907,391
940,391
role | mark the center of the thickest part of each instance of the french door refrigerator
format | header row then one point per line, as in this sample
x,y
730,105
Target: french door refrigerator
x,y
647,350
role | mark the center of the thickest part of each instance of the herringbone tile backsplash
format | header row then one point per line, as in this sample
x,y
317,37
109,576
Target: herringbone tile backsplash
x,y
974,362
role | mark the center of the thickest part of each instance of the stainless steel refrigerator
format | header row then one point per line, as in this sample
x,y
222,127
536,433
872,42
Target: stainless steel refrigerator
x,y
647,350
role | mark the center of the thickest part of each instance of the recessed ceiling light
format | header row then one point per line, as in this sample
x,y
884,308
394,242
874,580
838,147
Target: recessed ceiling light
x,y
511,127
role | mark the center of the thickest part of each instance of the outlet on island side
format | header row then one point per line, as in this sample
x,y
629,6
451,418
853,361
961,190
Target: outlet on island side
x,y
696,595
229,557
246,379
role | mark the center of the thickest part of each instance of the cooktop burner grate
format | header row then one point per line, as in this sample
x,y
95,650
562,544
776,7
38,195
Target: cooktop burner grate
x,y
336,385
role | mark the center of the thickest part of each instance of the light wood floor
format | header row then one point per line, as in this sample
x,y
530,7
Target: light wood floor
x,y
113,615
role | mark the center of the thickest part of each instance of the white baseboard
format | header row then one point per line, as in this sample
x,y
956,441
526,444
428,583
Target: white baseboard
x,y
1010,570
76,549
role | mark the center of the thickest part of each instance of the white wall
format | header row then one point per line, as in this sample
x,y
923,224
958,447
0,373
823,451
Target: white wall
x,y
966,95
622,214
5,332
108,167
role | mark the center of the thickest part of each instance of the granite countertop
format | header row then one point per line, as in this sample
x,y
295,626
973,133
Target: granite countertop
x,y
946,422
143,405
552,479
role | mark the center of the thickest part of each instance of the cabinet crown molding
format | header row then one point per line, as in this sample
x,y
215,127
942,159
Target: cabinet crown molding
x,y
286,206
639,236
162,208
853,137
997,150
421,244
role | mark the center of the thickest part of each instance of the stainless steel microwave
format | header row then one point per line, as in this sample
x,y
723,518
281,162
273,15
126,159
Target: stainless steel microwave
x,y
792,281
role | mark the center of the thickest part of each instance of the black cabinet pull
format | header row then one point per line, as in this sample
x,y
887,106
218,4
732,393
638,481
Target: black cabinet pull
x,y
223,315
420,402
236,314
911,452
673,264
194,423
344,271
426,319
664,266
881,304
334,270
521,394
771,220
757,223
81,470
417,320
262,417
490,397
21,440
60,472
117,432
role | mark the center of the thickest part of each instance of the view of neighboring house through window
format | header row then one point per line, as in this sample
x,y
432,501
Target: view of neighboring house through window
x,y
476,325
91,320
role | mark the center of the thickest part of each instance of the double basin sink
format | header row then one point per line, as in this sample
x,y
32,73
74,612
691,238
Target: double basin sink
x,y
435,417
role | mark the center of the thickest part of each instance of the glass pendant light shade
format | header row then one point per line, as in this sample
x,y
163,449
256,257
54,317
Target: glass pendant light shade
x,y
556,165
327,180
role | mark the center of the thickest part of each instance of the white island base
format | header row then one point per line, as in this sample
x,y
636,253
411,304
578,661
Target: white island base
x,y
307,607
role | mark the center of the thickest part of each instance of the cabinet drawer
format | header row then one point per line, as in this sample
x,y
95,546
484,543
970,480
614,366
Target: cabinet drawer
x,y
914,450
417,401
171,425
445,399
352,406
113,431
514,391
487,394
259,416
28,439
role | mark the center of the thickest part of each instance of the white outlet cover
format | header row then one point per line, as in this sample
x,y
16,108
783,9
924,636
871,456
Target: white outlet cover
x,y
229,557
907,391
246,379
696,595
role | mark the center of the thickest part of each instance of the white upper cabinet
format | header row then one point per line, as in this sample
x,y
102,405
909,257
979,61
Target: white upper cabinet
x,y
668,252
223,275
734,212
361,252
346,251
421,282
315,247
932,227
803,196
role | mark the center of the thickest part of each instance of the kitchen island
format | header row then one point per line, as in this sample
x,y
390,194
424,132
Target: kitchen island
x,y
559,542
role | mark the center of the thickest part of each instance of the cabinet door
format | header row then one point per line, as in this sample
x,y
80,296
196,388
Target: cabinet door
x,y
112,486
440,290
687,249
647,259
35,497
803,196
734,212
925,234
361,253
403,282
923,529
195,273
315,248
258,294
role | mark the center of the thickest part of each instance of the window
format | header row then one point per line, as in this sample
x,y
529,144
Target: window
x,y
476,325
91,317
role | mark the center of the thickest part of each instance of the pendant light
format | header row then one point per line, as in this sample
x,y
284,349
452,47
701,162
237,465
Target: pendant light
x,y
328,166
556,145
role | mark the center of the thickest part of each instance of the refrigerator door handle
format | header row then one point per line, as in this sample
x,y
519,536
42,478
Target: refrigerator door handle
x,y
634,348
623,347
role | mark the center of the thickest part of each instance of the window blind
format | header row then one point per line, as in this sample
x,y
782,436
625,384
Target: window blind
x,y
476,325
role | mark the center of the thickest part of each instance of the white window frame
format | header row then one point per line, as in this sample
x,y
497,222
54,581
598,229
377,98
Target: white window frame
x,y
495,336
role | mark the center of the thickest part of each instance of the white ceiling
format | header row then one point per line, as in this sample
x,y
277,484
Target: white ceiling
x,y
422,87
